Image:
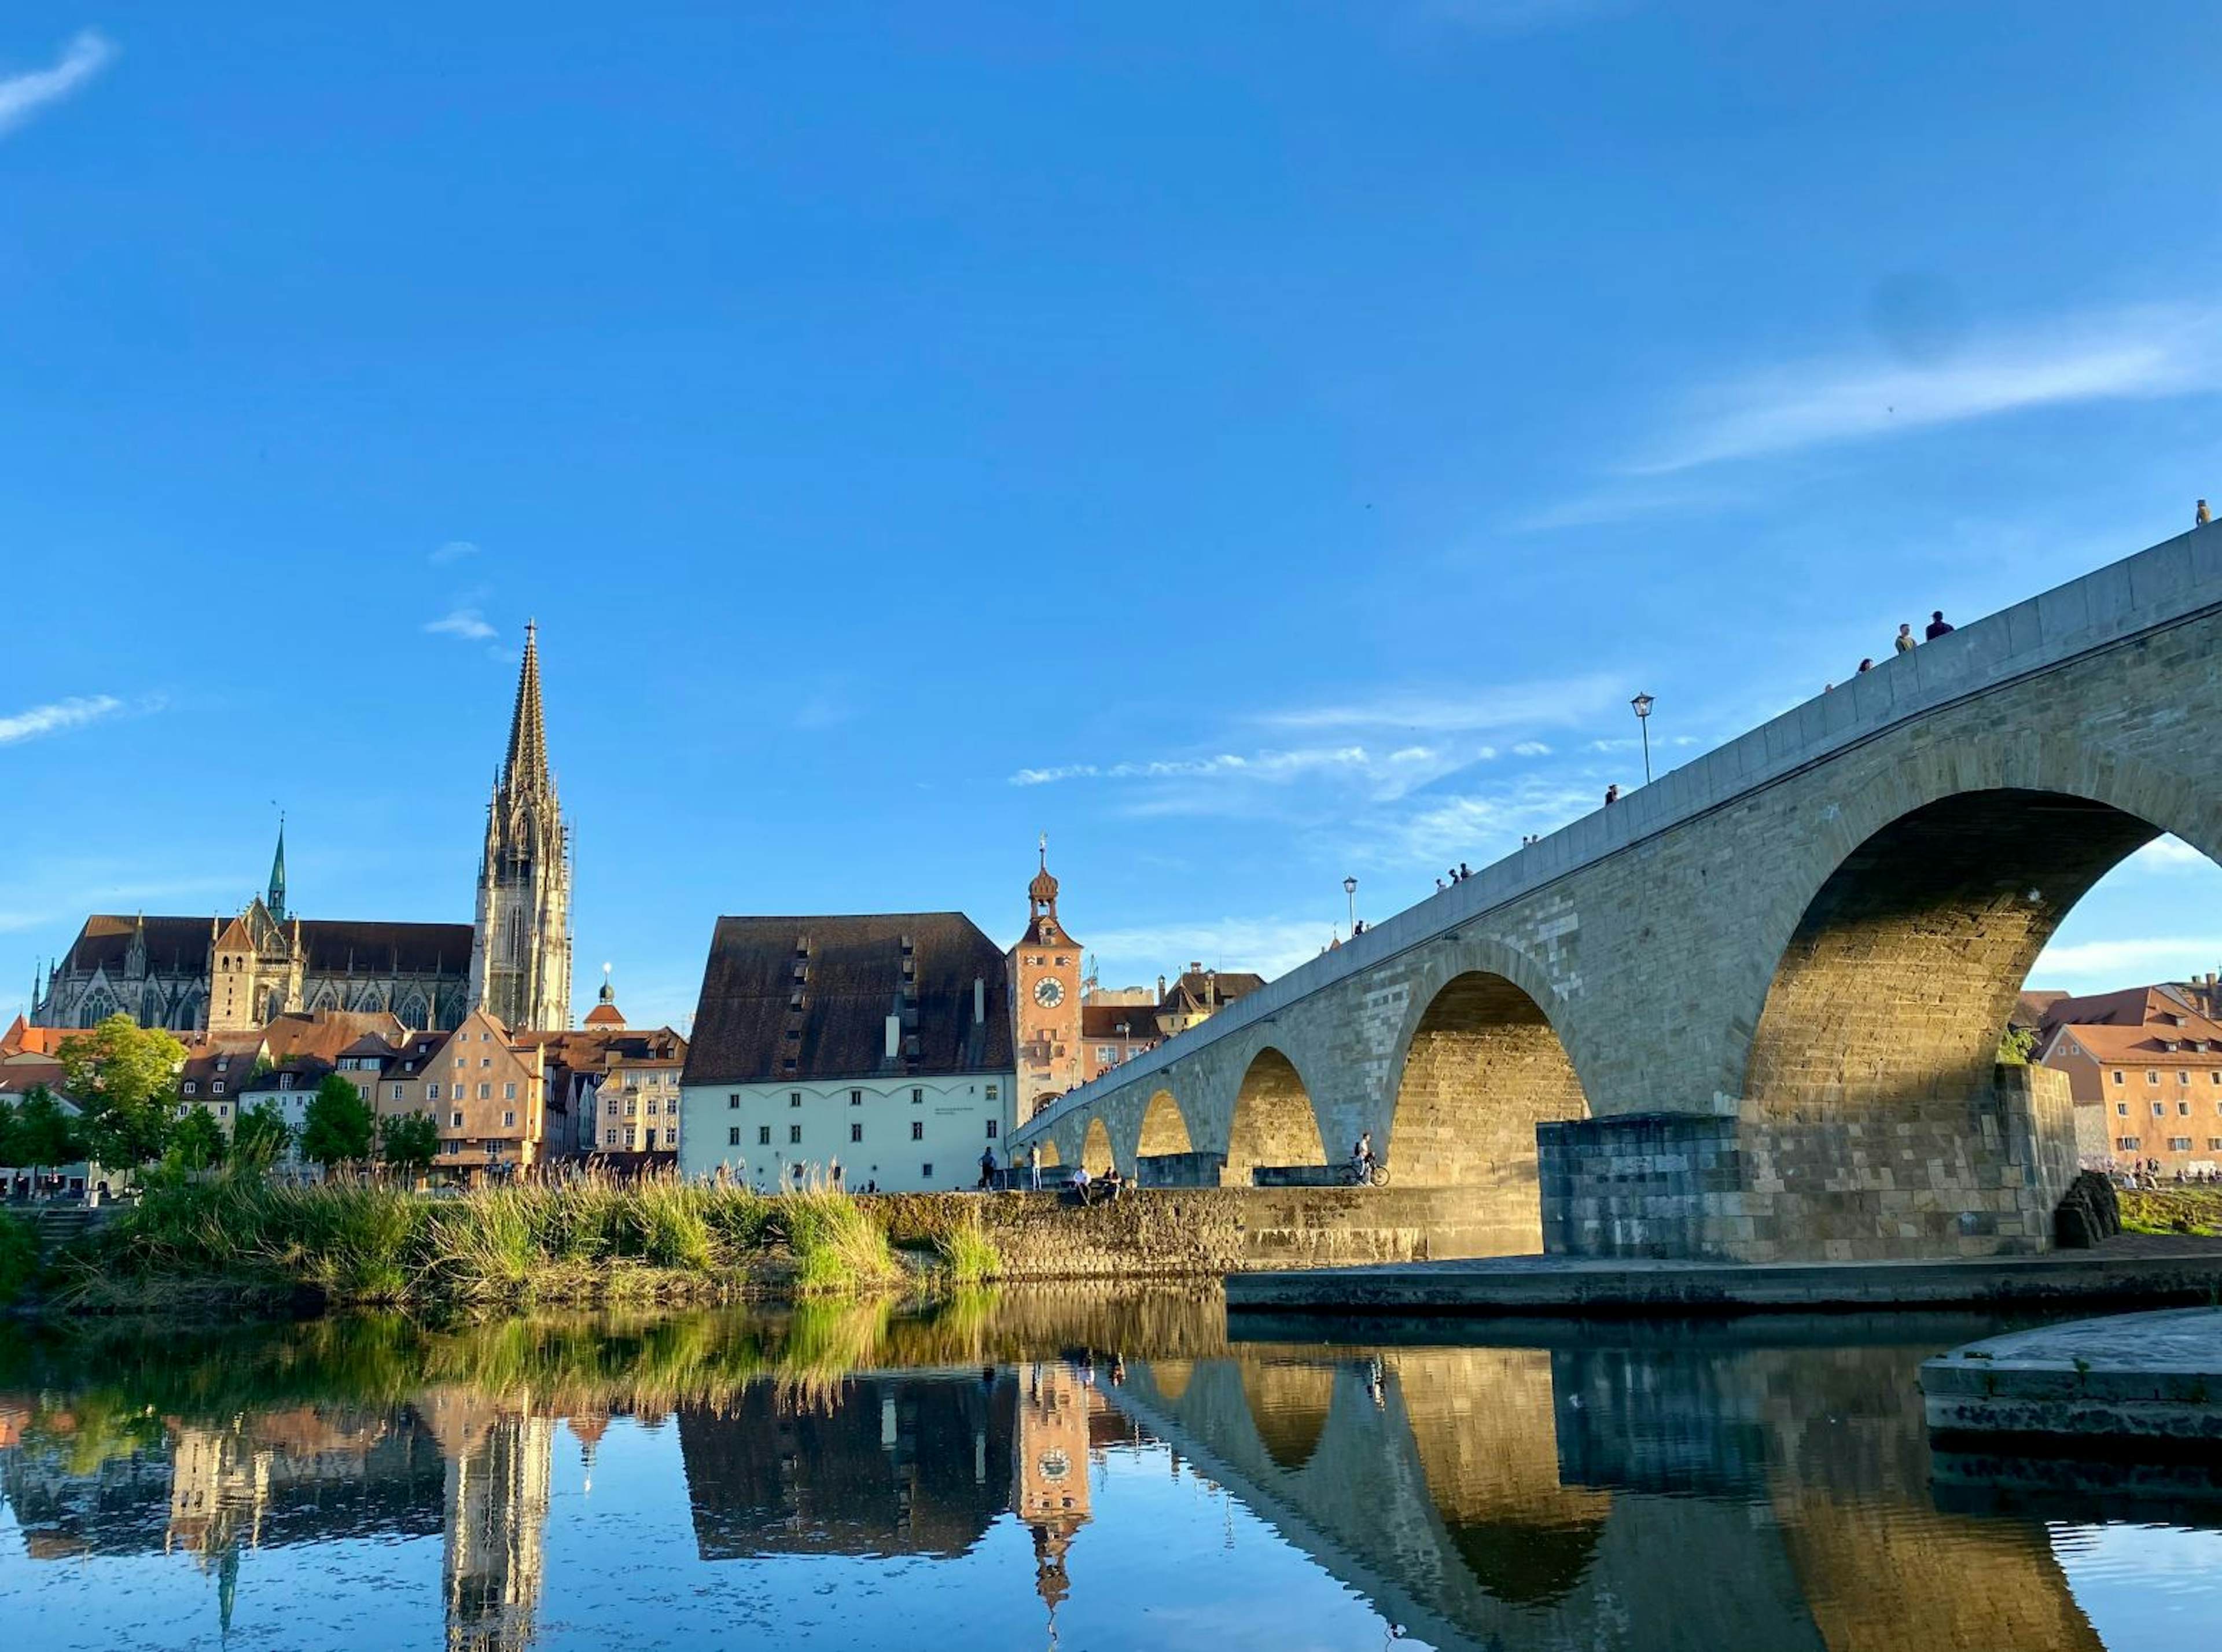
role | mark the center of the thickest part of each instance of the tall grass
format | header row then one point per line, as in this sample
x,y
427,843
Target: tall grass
x,y
967,1253
587,1238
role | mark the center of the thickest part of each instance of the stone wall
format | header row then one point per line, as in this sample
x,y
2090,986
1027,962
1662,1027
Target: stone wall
x,y
1192,1233
1980,1179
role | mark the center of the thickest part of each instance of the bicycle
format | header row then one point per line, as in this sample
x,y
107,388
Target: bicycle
x,y
1376,1175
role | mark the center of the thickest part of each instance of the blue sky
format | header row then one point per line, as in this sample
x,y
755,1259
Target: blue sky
x,y
1254,444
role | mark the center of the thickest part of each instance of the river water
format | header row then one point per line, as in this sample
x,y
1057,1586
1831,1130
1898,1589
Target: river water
x,y
1076,1471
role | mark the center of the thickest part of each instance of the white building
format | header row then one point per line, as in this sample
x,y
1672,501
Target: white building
x,y
881,1043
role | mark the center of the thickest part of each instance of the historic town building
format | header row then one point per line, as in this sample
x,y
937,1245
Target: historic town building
x,y
2144,1066
521,943
1046,981
612,1089
881,1043
235,975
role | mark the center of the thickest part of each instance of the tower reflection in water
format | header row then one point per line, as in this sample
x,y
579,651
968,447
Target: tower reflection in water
x,y
1621,1489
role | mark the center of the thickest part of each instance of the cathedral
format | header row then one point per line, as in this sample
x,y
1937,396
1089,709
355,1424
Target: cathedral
x,y
228,975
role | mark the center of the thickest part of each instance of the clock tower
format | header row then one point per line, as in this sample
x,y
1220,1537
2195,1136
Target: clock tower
x,y
1046,981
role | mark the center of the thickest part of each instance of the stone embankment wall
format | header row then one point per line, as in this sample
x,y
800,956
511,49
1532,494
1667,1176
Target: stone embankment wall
x,y
1192,1232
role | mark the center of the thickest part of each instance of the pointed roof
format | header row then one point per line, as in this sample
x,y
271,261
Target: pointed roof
x,y
526,764
278,874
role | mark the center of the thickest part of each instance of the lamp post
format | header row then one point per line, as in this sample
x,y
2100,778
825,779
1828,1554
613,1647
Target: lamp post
x,y
1643,705
1350,890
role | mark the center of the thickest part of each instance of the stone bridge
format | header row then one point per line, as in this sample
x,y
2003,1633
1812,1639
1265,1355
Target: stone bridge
x,y
1753,1010
1552,1499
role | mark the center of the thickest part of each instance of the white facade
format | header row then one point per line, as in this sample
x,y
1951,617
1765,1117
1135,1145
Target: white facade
x,y
906,1135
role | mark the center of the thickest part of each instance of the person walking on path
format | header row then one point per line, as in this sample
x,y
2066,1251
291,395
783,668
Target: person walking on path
x,y
1033,1167
1905,642
1938,625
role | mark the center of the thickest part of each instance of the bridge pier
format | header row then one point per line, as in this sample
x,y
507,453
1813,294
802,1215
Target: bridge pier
x,y
1976,1177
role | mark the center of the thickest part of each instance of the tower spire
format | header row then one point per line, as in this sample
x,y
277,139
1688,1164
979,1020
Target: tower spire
x,y
526,766
276,900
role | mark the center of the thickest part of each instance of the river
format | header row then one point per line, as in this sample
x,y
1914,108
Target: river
x,y
1076,1470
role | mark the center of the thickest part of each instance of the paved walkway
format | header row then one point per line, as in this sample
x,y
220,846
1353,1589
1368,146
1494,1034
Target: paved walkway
x,y
2155,1375
2136,1270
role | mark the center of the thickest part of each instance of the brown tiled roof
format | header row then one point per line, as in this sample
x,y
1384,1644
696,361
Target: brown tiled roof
x,y
852,981
16,1077
2199,1045
374,948
325,1034
1210,990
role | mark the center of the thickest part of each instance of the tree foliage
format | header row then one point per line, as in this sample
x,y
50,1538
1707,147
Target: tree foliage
x,y
40,1134
409,1141
259,1136
198,1141
336,1128
124,1079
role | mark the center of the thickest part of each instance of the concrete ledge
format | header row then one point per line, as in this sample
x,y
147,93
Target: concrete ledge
x,y
1550,1284
2128,1376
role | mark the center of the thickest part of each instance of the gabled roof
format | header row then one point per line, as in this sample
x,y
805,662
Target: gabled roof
x,y
1103,1021
325,1034
1209,989
806,998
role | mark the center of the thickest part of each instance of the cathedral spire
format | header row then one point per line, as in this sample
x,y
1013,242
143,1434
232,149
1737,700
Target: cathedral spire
x,y
276,901
526,766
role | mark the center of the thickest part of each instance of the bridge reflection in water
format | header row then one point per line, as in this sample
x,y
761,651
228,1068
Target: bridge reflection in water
x,y
1661,1495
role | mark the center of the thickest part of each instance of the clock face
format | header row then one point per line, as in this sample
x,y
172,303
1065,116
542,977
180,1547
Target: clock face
x,y
1049,992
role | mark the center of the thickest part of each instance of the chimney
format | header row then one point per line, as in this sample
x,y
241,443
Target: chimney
x,y
894,1036
979,1001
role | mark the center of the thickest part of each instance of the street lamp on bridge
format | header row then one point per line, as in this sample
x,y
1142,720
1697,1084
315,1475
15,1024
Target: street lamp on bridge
x,y
1350,889
1643,705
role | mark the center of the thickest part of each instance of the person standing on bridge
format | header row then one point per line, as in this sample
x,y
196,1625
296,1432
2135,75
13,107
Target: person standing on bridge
x,y
2200,518
1034,1165
1904,641
1611,795
1938,626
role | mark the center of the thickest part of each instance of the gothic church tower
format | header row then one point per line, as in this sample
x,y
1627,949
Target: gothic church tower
x,y
521,943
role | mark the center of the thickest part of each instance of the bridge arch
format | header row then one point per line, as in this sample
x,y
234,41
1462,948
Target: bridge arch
x,y
1096,1155
1287,1401
1890,974
1273,1121
1480,1065
1165,1127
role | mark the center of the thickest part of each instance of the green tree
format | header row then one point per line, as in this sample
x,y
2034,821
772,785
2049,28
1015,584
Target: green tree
x,y
42,1133
198,1141
2018,1047
409,1142
336,1128
259,1136
124,1079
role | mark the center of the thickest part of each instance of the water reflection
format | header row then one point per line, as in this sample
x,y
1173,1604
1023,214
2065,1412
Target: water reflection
x,y
1114,1458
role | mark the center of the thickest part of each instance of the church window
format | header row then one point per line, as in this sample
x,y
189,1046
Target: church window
x,y
763,1134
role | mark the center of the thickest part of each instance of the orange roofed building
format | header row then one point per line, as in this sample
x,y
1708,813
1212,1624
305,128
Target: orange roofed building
x,y
2144,1065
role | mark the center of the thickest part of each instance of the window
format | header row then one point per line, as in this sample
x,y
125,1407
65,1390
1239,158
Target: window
x,y
632,1106
217,1087
671,1135
223,1110
992,1123
611,1106
2152,1076
2179,1144
733,1098
732,1135
610,1138
2160,1109
917,1095
191,1089
856,1098
395,1095
284,1081
486,1092
2214,1144
991,1092
794,1098
794,1136
926,1172
509,1091
651,1107
1107,1054
2127,1144
2215,1078
763,1134
2117,1075
629,1143
2183,1108
455,1121
224,1064
2183,1074
2122,1107
461,1062
509,1121
486,1061
431,1092
918,1129
856,1133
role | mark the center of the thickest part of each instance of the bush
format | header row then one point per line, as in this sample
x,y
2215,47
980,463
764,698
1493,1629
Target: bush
x,y
19,1257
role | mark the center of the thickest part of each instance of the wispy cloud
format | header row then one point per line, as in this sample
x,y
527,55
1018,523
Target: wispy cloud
x,y
2129,354
22,95
2168,854
1261,765
2114,962
57,717
464,625
454,551
1271,946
